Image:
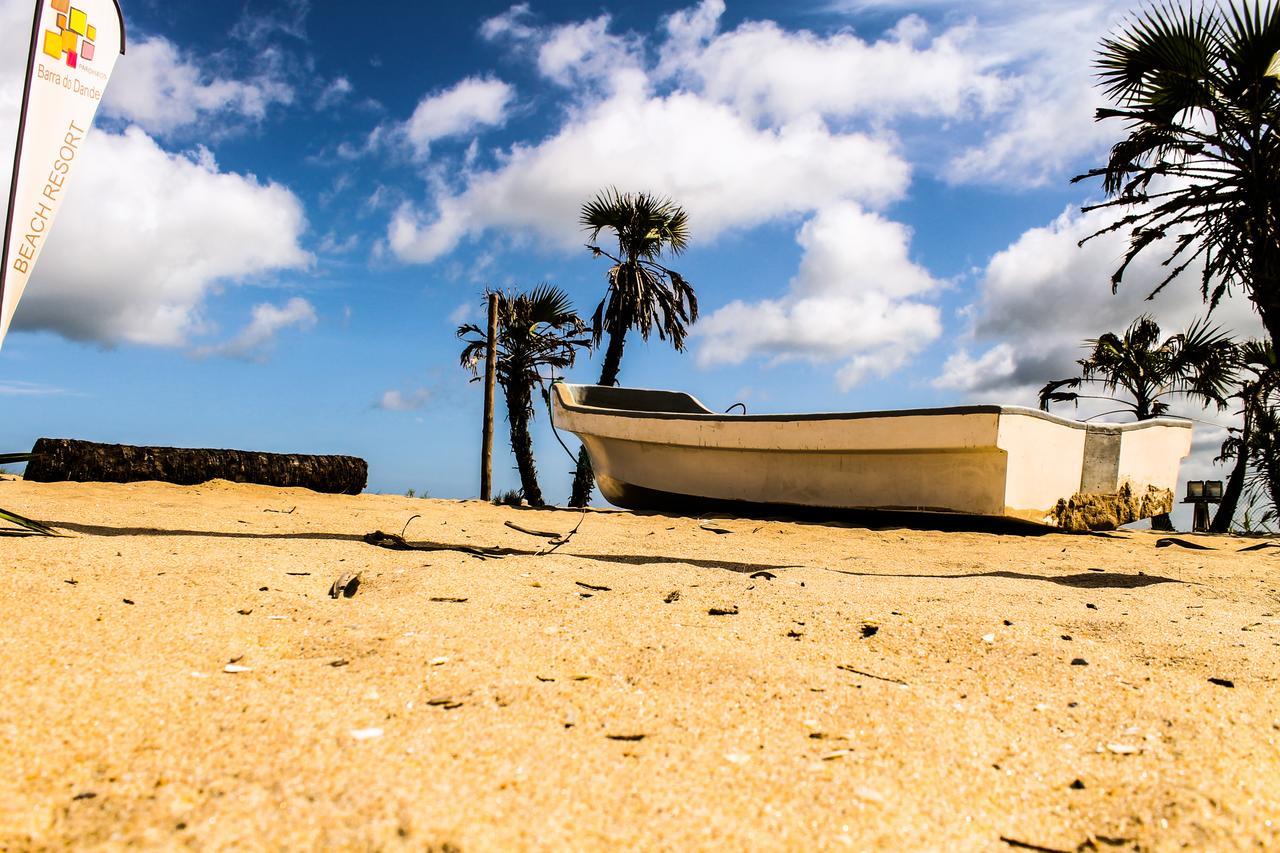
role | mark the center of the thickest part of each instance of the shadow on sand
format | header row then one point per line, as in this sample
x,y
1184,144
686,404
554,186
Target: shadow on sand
x,y
426,546
1083,580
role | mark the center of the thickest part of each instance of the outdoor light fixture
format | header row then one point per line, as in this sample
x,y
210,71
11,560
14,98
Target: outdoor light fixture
x,y
1201,493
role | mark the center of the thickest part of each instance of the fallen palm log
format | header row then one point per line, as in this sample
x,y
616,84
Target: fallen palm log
x,y
57,460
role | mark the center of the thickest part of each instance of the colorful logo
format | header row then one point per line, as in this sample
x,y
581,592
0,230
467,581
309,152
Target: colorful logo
x,y
75,36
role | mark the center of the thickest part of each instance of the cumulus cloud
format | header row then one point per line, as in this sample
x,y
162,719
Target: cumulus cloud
x,y
398,401
965,372
467,106
855,301
145,236
584,55
768,72
725,170
161,91
1038,299
256,339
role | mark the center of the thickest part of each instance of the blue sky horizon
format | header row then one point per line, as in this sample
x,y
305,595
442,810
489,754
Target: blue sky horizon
x,y
287,207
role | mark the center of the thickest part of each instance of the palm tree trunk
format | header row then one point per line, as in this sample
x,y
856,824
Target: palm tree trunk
x,y
522,442
1231,494
584,480
1235,483
613,358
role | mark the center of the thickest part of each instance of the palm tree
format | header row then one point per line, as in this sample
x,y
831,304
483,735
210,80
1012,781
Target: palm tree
x,y
1199,363
535,330
1197,87
1257,440
643,294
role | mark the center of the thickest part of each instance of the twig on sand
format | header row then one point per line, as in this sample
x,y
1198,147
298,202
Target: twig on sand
x,y
544,534
398,543
405,529
848,668
556,543
282,511
1023,845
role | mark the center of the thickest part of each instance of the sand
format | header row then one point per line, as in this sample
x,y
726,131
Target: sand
x,y
881,689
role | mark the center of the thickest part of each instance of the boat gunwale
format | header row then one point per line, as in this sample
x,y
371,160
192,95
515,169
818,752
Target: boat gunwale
x,y
572,405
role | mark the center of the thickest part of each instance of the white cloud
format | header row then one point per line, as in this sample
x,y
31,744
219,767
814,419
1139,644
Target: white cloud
x,y
581,53
256,339
154,87
466,107
1041,297
1049,50
725,171
397,401
768,72
512,23
583,56
964,372
464,313
331,244
145,236
335,93
855,300
13,388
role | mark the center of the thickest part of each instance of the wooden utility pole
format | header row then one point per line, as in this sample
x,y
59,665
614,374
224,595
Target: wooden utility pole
x,y
490,386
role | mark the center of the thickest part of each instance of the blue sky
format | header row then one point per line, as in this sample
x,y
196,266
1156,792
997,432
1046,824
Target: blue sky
x,y
287,207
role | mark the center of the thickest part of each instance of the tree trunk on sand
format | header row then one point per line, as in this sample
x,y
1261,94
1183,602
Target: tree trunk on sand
x,y
61,460
1235,486
522,443
584,479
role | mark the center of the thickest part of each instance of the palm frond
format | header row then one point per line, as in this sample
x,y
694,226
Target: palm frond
x,y
1052,392
27,523
1199,161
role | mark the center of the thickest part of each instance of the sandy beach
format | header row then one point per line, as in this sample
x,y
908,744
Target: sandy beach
x,y
872,689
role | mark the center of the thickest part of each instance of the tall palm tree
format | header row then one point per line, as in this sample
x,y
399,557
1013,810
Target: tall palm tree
x,y
535,330
1197,87
1199,363
1257,440
643,294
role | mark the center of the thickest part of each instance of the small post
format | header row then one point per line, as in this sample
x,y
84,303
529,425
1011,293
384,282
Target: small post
x,y
490,383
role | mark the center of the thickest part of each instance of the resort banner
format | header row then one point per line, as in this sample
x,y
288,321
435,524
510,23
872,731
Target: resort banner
x,y
74,46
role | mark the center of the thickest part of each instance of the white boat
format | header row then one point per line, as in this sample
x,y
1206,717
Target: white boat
x,y
665,450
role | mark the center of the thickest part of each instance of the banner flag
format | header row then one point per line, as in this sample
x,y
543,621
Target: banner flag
x,y
74,46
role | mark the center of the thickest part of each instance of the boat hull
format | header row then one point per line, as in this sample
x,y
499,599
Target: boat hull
x,y
656,450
